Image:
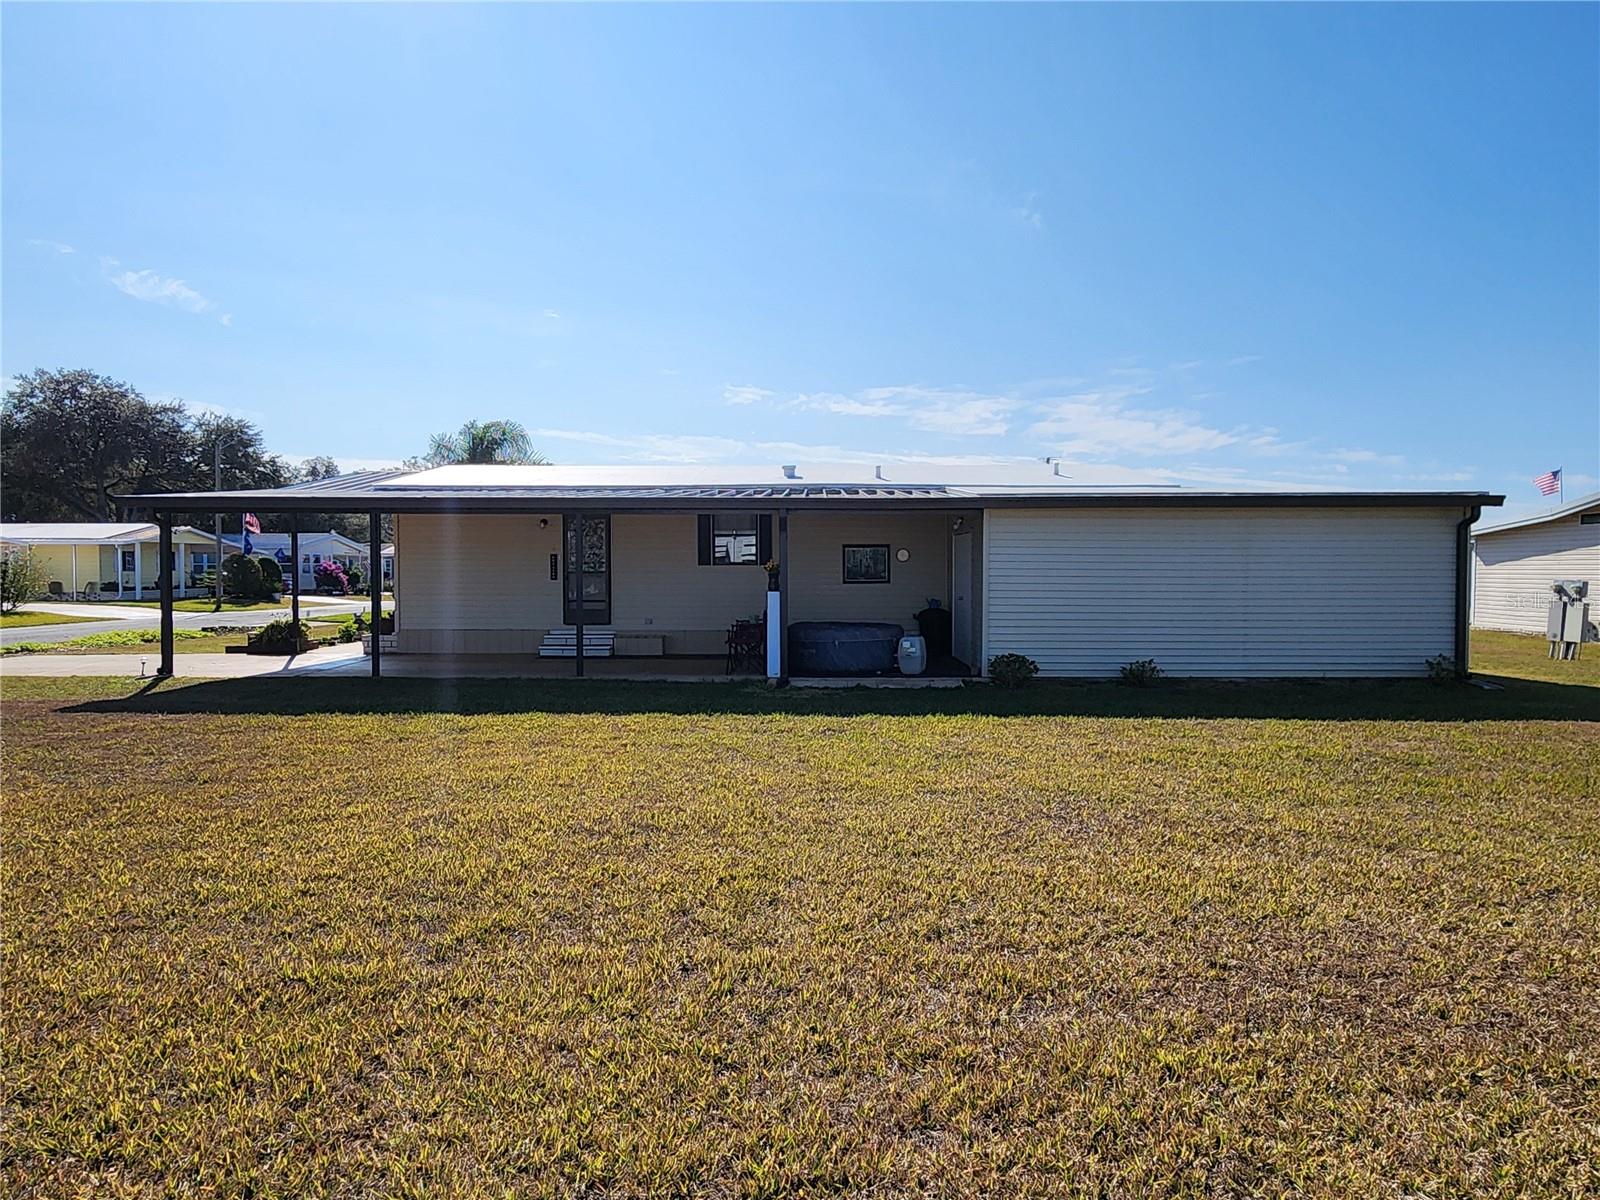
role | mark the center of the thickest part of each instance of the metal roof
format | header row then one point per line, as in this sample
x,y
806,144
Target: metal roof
x,y
81,533
1570,508
673,487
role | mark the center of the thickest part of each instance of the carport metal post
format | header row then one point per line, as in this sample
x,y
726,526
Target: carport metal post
x,y
294,566
375,549
577,611
165,521
783,596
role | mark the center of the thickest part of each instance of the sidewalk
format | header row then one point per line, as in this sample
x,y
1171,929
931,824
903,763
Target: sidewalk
x,y
188,666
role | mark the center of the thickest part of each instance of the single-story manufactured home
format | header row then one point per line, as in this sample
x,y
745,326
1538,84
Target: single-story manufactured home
x,y
104,560
1053,562
315,548
1515,562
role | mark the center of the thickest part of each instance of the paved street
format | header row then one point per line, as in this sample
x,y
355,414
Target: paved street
x,y
150,618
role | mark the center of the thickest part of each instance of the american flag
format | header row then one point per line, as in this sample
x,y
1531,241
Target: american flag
x,y
251,524
1549,483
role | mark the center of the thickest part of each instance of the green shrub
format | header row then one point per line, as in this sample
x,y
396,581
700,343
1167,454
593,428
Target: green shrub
x,y
1012,670
283,636
241,577
271,575
1141,672
1442,669
355,577
22,578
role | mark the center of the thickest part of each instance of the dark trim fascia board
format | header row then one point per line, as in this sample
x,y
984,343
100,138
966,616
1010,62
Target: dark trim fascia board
x,y
285,502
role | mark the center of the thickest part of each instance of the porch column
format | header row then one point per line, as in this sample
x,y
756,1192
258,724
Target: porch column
x,y
294,567
165,550
116,562
780,629
74,570
375,538
180,577
138,570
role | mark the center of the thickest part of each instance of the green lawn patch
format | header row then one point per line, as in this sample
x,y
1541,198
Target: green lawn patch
x,y
19,620
1527,656
118,640
625,941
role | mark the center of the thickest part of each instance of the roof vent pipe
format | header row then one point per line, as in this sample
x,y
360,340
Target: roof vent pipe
x,y
1056,466
791,471
877,471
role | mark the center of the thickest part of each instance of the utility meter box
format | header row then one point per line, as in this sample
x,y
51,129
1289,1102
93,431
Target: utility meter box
x,y
913,655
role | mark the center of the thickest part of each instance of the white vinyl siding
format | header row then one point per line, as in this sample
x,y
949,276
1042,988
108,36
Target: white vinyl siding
x,y
1222,592
1513,571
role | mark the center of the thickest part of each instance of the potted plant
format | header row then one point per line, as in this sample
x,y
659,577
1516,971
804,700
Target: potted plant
x,y
771,568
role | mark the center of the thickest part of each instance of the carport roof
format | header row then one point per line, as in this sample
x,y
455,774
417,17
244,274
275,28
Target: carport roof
x,y
507,488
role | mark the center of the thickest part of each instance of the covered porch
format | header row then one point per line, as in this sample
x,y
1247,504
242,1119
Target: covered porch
x,y
751,588
656,585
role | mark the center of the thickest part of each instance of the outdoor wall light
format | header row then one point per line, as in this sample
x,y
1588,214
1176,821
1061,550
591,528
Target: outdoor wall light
x,y
544,522
902,555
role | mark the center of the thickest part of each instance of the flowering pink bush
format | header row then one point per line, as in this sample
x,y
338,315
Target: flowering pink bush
x,y
330,576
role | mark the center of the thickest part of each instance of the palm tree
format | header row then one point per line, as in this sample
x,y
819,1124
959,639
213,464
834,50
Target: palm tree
x,y
484,442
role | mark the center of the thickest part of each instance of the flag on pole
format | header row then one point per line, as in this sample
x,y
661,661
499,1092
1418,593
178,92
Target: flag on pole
x,y
1549,483
251,525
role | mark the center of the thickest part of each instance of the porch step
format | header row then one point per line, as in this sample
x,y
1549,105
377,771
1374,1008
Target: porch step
x,y
563,643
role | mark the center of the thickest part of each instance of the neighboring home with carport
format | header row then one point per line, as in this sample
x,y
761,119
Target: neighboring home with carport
x,y
1069,565
315,548
1515,562
102,560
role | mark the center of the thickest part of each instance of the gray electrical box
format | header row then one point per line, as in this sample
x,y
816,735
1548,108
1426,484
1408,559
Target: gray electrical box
x,y
1567,618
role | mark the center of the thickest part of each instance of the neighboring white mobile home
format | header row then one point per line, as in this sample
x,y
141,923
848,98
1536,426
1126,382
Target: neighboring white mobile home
x,y
1515,562
1081,572
315,548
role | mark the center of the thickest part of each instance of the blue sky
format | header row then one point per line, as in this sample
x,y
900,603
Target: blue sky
x,y
1330,245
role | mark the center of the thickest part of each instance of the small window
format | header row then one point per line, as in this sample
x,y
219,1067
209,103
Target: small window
x,y
127,560
866,564
1589,519
734,539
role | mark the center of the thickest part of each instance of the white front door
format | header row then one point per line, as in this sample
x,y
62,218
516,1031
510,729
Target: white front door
x,y
961,598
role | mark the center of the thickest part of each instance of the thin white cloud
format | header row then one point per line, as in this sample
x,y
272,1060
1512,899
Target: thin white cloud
x,y
691,448
47,244
1364,456
154,288
1028,212
1241,360
552,314
952,411
1104,423
740,393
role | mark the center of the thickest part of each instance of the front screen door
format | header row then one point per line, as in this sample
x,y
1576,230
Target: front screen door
x,y
596,604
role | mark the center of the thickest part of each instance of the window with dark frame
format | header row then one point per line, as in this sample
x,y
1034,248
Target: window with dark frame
x,y
866,564
1589,519
127,560
734,539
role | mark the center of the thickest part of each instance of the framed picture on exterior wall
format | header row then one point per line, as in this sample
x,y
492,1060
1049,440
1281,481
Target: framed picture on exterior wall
x,y
866,564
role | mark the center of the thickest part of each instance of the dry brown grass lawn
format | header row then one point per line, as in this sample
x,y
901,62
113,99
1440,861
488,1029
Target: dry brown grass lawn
x,y
778,953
